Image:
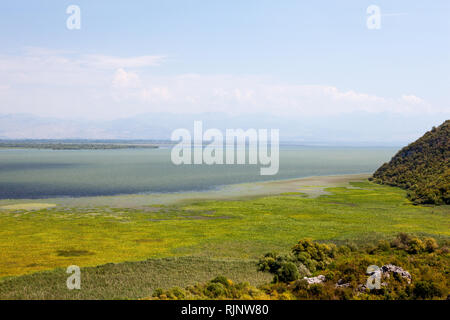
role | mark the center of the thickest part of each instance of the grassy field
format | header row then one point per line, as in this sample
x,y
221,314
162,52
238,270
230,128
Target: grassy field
x,y
130,280
44,239
214,237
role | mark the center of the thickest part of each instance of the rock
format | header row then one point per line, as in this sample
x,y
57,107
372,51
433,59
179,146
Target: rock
x,y
362,287
341,284
315,280
344,285
388,268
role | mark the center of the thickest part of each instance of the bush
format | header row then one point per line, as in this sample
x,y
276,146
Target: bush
x,y
329,275
271,262
178,293
222,280
215,290
303,270
415,246
401,241
316,289
158,292
384,245
344,250
301,284
288,272
314,255
426,290
345,275
430,244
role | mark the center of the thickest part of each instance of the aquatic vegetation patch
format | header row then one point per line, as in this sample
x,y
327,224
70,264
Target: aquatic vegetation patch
x,y
73,253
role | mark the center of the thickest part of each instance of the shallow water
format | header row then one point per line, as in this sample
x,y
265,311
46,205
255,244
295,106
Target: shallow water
x,y
76,173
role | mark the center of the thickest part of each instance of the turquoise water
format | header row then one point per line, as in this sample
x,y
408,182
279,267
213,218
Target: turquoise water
x,y
76,173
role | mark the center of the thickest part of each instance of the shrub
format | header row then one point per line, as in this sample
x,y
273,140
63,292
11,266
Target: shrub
x,y
430,244
222,280
288,272
268,263
303,271
178,293
445,250
426,290
158,292
415,246
412,245
301,284
215,290
313,255
429,274
401,241
316,289
271,262
384,245
329,275
344,250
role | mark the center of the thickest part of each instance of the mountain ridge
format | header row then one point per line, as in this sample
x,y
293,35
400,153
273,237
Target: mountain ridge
x,y
340,130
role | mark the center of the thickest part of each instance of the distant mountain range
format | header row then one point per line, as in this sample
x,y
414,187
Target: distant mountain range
x,y
423,168
358,129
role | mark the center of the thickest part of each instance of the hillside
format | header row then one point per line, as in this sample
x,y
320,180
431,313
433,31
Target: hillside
x,y
423,168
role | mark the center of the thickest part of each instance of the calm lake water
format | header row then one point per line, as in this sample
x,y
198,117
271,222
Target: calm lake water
x,y
76,173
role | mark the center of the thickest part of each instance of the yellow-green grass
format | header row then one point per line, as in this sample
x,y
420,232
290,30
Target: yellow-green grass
x,y
44,239
130,280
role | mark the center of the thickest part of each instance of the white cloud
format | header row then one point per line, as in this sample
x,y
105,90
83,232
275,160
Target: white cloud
x,y
123,79
109,62
64,84
240,94
155,94
412,99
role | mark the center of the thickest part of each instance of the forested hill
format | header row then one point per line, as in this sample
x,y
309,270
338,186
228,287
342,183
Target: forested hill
x,y
423,168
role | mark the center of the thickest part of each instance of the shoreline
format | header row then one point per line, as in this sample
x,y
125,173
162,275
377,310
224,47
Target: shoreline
x,y
312,186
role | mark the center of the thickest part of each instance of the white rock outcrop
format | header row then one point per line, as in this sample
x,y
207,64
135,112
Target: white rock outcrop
x,y
388,268
315,280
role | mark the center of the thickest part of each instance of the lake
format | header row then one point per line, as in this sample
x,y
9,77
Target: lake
x,y
30,173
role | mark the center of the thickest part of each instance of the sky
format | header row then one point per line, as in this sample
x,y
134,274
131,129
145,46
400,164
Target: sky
x,y
286,58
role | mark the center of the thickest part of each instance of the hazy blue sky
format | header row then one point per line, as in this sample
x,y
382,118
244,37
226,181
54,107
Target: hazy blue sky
x,y
289,58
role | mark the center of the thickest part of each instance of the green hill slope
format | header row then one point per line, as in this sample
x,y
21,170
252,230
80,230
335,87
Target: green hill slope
x,y
423,168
